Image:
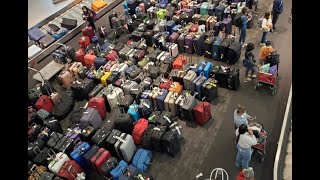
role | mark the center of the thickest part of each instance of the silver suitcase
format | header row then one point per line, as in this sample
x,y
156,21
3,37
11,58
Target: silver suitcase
x,y
169,102
160,55
114,96
187,80
173,49
125,146
128,85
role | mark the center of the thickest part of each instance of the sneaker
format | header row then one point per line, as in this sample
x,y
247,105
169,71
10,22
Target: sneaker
x,y
247,79
262,44
244,45
253,76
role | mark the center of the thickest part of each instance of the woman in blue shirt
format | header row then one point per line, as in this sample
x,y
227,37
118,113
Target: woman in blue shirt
x,y
241,117
243,28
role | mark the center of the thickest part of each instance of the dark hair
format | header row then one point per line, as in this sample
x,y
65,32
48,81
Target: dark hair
x,y
267,15
86,8
244,10
242,129
268,43
250,47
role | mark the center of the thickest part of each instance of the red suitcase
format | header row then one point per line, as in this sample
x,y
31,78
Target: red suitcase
x,y
112,56
179,62
89,59
98,159
44,102
99,104
141,6
88,31
139,129
84,42
69,170
194,28
165,84
202,113
80,55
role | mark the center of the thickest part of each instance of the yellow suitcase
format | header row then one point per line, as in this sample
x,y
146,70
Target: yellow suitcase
x,y
97,5
105,77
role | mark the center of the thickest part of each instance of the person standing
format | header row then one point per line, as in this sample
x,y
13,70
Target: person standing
x,y
265,51
277,9
89,15
243,28
241,117
249,62
265,27
245,141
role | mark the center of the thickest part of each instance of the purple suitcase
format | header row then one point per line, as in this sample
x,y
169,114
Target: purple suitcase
x,y
73,133
91,117
227,24
188,41
173,37
189,13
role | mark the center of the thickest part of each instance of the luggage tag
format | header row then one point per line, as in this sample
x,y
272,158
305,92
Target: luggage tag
x,y
167,119
146,105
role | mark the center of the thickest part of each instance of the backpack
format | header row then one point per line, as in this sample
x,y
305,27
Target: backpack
x,y
260,22
237,21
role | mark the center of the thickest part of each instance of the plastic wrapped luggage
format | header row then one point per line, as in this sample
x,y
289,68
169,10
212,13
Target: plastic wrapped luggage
x,y
125,146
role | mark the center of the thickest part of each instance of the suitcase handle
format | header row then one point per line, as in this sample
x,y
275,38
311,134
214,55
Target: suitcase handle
x,y
167,119
119,138
35,169
36,148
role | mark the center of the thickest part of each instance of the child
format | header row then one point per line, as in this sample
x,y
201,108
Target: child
x,y
249,62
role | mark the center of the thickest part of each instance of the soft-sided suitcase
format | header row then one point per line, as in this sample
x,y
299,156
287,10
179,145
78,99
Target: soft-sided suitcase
x,y
179,62
207,47
70,170
84,42
170,25
119,170
177,75
209,90
41,156
63,107
91,117
53,124
219,12
99,61
138,130
198,42
37,143
123,123
171,142
75,68
133,112
142,159
88,31
160,99
125,147
226,25
46,41
222,77
165,119
89,154
234,53
173,37
203,19
125,102
80,53
87,133
202,113
97,5
234,80
156,136
113,77
188,41
224,47
133,71
108,166
128,85
69,23
110,142
198,86
54,139
99,158
187,108
56,161
44,102
180,41
96,90
89,60
99,104
46,175
145,108
215,49
35,34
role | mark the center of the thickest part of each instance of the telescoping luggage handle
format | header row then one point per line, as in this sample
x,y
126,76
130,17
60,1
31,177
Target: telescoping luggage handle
x,y
177,127
43,81
35,169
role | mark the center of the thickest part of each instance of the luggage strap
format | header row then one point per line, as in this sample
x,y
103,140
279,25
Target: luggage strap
x,y
119,138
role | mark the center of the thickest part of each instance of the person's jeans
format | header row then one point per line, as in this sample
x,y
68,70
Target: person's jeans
x,y
243,156
274,19
264,37
243,33
252,69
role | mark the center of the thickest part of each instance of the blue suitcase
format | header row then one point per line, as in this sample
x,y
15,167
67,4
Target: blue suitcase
x,y
204,8
211,9
219,12
198,86
125,7
170,25
142,159
119,170
176,28
35,34
215,49
78,153
227,24
99,61
130,173
201,66
145,94
160,99
95,40
133,112
207,70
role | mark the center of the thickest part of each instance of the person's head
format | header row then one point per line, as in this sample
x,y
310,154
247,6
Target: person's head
x,y
241,110
248,173
267,15
268,43
250,47
243,129
84,8
244,11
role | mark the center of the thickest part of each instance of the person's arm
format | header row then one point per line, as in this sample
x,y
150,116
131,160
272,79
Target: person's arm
x,y
252,140
237,132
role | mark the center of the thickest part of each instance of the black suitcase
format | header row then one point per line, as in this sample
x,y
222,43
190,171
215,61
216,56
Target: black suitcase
x,y
54,27
69,23
67,146
114,76
146,137
123,123
187,108
165,119
156,136
63,107
222,77
46,176
171,142
148,37
87,133
118,46
177,75
133,71
180,41
224,46
54,139
81,90
34,131
96,90
108,166
207,46
210,90
83,72
88,155
41,157
108,122
198,42
136,91
234,53
145,108
100,137
154,72
234,80
53,124
136,35
125,102
37,143
110,141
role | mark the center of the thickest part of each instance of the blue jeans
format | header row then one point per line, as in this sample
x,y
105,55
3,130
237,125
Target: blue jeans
x,y
243,33
264,37
243,156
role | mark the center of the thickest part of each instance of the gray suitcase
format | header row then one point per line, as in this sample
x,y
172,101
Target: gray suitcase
x,y
169,102
188,79
125,147
90,117
128,85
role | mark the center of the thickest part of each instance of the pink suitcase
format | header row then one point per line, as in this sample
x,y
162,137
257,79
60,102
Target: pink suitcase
x,y
88,31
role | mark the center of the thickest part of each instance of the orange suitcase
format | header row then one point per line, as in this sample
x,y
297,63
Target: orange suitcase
x,y
89,60
97,5
176,87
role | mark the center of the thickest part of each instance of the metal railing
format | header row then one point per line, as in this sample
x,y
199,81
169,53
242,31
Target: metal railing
x,y
283,141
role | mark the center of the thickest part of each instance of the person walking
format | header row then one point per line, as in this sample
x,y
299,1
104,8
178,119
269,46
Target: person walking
x,y
277,9
89,15
243,28
265,27
245,141
249,63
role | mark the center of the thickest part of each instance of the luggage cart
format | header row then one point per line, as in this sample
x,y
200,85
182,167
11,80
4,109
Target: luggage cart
x,y
260,147
266,79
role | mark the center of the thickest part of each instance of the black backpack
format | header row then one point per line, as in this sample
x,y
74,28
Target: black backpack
x,y
237,21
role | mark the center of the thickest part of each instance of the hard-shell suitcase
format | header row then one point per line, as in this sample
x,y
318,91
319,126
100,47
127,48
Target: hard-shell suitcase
x,y
97,5
90,117
176,87
46,41
75,68
179,62
145,108
153,94
87,133
99,158
188,43
207,69
123,123
181,46
105,77
128,85
198,86
194,28
171,142
202,113
70,170
114,97
224,46
110,142
88,31
170,25
234,53
226,25
63,108
78,152
66,78
215,49
142,159
210,90
187,108
173,37
160,99
125,102
56,161
96,90
165,83
156,136
139,129
174,51
84,42
134,112
169,102
207,46
89,60
80,53
204,8
125,147
198,42
211,22
99,104
44,102
119,170
234,80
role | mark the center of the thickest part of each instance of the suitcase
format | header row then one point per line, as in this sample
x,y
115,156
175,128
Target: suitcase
x,y
46,175
179,62
41,156
148,37
133,71
105,77
171,142
80,53
128,85
169,102
175,126
97,5
226,25
160,99
87,133
210,90
173,37
70,170
146,137
66,78
46,41
89,60
125,147
99,158
224,46
108,166
89,154
102,31
234,53
215,49
84,42
156,136
91,117
114,97
113,77
88,31
78,152
216,28
176,87
222,77
188,79
99,61
37,143
202,113
66,144
119,170
187,108
142,159
143,62
99,104
165,83
165,119
211,9
133,112
35,34
234,80
57,160
54,139
125,102
198,85
115,23
75,68
33,131
145,108
153,94
180,41
170,25
123,123
219,12
44,102
138,130
188,44
204,8
110,142
44,135
211,22
82,88
136,35
69,23
62,109
96,90
198,42
207,69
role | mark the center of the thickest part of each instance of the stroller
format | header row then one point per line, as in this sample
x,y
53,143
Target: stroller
x,y
261,136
